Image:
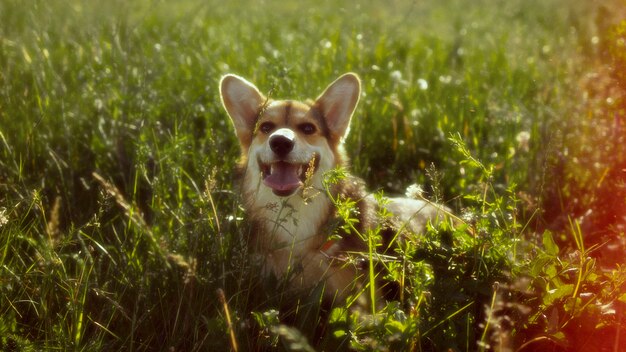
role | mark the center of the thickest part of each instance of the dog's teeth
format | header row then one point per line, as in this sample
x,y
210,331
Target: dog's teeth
x,y
271,169
300,170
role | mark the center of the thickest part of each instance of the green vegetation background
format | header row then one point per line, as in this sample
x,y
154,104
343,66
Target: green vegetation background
x,y
119,218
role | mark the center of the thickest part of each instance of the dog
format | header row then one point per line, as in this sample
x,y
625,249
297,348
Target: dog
x,y
288,149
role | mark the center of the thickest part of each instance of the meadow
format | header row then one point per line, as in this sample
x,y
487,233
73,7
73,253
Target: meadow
x,y
121,226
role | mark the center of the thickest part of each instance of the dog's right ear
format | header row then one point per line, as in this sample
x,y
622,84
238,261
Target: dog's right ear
x,y
242,101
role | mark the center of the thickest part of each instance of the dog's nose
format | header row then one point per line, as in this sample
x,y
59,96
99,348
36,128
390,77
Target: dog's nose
x,y
282,141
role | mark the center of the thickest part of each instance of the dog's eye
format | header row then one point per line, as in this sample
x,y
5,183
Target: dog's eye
x,y
307,128
266,127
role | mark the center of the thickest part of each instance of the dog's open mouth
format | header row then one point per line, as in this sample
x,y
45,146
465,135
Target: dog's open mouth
x,y
284,178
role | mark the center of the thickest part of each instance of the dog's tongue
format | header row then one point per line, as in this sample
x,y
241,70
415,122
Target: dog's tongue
x,y
284,178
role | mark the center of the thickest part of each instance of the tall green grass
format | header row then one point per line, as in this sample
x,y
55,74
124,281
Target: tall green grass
x,y
119,214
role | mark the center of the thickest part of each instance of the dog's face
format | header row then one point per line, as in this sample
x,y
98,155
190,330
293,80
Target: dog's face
x,y
288,144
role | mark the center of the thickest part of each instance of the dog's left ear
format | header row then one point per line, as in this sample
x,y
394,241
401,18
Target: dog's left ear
x,y
338,102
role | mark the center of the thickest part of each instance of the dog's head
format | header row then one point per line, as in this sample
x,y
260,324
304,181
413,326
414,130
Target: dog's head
x,y
288,143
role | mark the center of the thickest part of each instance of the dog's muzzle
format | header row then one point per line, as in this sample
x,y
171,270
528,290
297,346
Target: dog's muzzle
x,y
282,175
284,178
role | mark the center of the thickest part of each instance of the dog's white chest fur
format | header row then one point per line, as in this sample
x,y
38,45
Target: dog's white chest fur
x,y
291,223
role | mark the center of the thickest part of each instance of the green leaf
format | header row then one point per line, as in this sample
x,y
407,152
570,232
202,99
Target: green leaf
x,y
559,337
339,333
292,339
549,245
558,293
394,326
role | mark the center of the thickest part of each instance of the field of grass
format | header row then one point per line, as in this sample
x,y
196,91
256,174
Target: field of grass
x,y
120,223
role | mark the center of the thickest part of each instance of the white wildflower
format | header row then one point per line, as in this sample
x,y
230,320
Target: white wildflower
x,y
422,84
396,76
595,40
4,219
445,79
98,104
415,191
523,139
468,216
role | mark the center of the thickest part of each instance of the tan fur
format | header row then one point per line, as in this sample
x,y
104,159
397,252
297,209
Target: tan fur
x,y
292,230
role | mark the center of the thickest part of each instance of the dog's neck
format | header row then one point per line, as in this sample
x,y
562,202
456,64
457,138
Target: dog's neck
x,y
286,222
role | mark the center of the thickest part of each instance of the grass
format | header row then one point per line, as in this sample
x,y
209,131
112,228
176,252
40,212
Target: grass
x,y
119,219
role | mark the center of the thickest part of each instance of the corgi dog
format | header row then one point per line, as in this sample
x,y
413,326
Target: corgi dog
x,y
287,149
